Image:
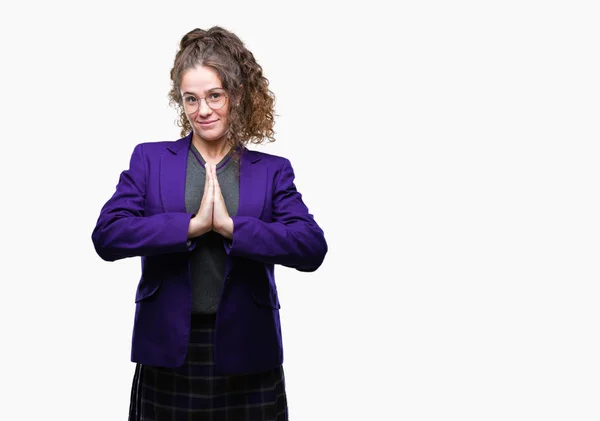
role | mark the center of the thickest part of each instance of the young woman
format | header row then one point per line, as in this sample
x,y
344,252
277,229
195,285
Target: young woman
x,y
210,219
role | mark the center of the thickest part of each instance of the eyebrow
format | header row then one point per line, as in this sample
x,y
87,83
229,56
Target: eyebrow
x,y
207,91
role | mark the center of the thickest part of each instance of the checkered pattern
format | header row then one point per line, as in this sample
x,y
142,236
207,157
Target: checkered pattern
x,y
193,391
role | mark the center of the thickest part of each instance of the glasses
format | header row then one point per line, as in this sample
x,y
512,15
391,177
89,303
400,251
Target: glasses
x,y
215,99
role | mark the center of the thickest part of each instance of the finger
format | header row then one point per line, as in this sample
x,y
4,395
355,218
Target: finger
x,y
217,185
214,173
206,183
212,179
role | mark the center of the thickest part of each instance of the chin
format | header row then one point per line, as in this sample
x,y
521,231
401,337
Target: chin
x,y
209,137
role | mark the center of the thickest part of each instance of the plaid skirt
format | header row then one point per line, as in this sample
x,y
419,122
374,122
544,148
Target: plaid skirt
x,y
194,392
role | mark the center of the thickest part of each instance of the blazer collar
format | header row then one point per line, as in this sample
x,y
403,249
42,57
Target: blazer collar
x,y
183,145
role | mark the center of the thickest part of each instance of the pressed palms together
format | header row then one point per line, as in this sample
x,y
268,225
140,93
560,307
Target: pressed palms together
x,y
212,215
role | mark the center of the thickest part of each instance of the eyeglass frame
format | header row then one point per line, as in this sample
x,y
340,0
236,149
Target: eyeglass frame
x,y
189,94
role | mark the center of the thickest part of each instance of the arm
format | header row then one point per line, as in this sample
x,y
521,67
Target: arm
x,y
122,230
292,239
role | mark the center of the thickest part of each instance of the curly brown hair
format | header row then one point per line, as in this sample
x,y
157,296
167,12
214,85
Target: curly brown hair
x,y
251,118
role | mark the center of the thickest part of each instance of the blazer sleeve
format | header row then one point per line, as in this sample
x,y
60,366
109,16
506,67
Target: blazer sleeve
x,y
292,239
122,229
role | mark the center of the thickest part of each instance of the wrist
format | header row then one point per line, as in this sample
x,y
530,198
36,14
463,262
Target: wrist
x,y
197,228
226,230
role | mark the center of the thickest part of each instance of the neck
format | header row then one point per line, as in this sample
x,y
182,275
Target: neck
x,y
212,151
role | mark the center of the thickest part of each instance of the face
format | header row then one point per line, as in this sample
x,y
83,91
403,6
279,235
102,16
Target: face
x,y
209,124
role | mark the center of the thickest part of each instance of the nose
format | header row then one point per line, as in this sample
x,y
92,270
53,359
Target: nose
x,y
203,108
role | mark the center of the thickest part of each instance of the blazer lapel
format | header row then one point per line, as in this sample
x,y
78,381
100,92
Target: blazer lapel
x,y
173,166
253,185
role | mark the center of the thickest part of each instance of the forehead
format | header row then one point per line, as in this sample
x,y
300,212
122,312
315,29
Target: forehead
x,y
200,79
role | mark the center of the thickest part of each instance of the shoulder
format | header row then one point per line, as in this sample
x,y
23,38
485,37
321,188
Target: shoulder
x,y
267,158
157,148
279,167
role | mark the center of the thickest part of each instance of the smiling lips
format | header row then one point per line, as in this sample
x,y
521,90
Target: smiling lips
x,y
207,123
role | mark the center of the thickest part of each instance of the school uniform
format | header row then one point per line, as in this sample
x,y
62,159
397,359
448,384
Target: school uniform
x,y
207,335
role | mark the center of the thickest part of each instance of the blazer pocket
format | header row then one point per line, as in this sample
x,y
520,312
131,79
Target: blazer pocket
x,y
146,288
266,297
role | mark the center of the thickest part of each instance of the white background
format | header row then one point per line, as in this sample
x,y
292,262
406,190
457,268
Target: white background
x,y
449,150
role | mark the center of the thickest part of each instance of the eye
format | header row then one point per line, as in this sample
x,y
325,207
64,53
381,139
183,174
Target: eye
x,y
190,99
215,96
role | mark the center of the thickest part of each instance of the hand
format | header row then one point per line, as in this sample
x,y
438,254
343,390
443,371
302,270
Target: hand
x,y
203,221
221,221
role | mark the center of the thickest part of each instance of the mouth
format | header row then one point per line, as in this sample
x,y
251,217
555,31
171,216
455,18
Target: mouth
x,y
206,123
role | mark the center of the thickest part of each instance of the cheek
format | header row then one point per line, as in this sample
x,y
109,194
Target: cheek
x,y
224,116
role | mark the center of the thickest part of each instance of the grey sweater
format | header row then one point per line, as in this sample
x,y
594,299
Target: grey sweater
x,y
207,260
